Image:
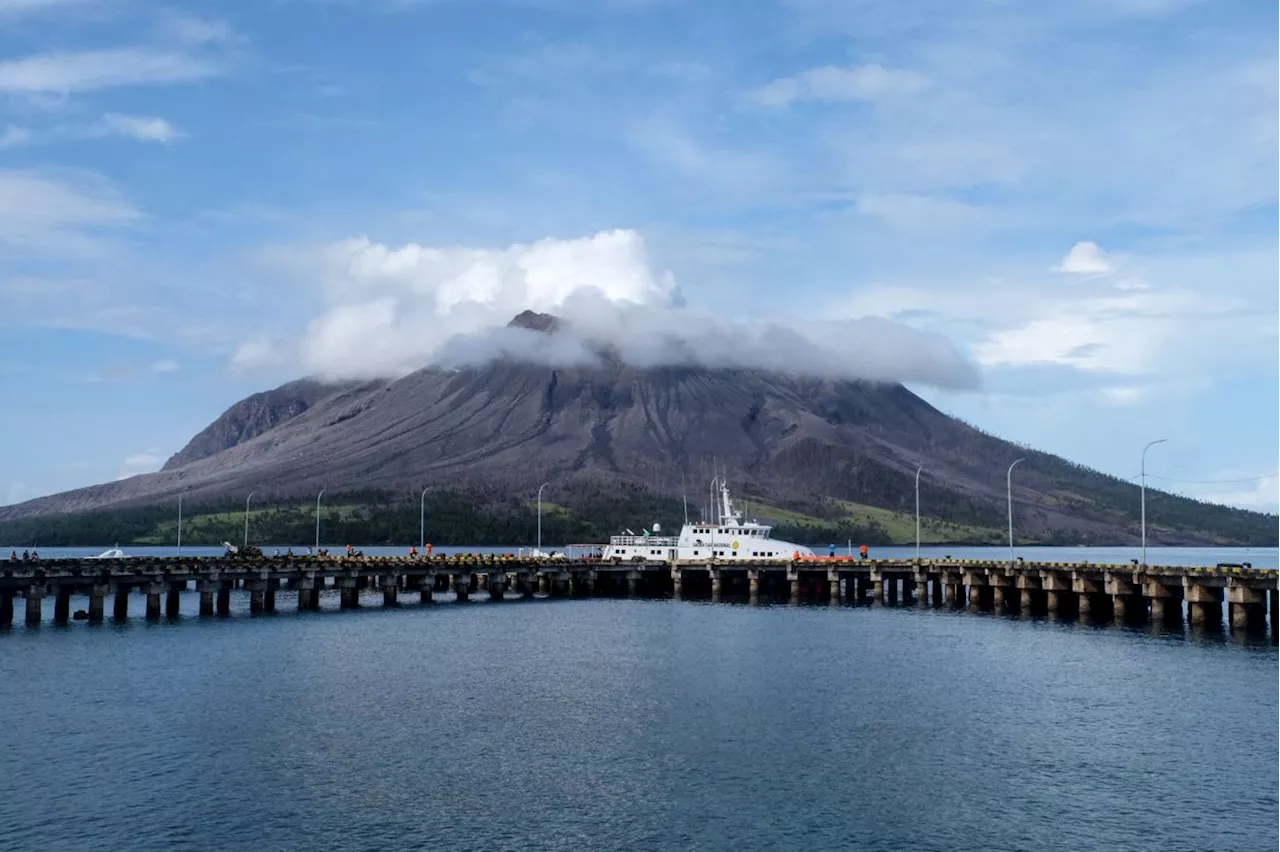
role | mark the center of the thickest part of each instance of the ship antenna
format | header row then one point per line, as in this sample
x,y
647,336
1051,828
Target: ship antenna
x,y
684,498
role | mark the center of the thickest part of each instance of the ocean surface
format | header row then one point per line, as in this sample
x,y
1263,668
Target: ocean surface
x,y
621,725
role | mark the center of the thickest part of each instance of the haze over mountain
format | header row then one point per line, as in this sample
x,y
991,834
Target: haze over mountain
x,y
505,426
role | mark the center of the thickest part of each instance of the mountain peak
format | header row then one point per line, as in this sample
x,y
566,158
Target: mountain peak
x,y
535,321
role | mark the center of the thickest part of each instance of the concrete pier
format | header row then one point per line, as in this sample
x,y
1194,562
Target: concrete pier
x,y
1127,592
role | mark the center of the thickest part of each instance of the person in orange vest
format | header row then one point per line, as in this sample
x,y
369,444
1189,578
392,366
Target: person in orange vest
x,y
863,551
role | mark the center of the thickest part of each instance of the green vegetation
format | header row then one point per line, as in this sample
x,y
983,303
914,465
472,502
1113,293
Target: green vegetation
x,y
456,518
843,521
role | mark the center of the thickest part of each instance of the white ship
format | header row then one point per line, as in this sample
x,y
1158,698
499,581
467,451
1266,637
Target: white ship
x,y
731,537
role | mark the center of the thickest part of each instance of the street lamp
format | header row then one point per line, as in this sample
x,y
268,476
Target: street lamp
x,y
422,520
318,496
1009,483
918,469
540,487
246,518
179,523
1144,497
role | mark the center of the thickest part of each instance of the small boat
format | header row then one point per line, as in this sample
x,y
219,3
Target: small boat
x,y
113,553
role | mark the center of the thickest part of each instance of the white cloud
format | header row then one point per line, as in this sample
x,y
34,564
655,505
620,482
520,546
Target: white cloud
x,y
1261,496
18,7
148,461
13,136
389,311
910,212
1122,395
16,492
189,29
41,212
100,69
146,128
1085,258
164,366
831,83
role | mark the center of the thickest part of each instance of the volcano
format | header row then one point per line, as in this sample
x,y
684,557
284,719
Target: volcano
x,y
506,426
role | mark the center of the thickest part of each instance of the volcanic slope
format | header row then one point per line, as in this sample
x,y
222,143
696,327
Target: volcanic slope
x,y
503,428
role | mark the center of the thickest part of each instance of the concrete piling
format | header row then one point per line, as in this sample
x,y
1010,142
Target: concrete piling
x,y
120,606
35,602
6,608
257,597
97,602
154,592
62,605
173,600
207,589
1248,608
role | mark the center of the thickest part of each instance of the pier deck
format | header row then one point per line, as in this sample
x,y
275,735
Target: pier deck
x,y
1128,593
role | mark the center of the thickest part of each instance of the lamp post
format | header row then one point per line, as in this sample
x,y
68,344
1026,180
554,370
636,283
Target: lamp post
x,y
540,487
179,524
318,496
918,469
1009,484
1144,497
422,520
246,518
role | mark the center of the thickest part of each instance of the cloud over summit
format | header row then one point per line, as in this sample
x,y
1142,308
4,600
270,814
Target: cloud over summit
x,y
386,311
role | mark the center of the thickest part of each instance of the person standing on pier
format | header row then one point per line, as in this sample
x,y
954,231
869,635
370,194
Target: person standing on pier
x,y
862,551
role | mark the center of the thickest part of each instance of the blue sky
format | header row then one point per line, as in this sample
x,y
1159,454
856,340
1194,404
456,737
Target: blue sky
x,y
1055,220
